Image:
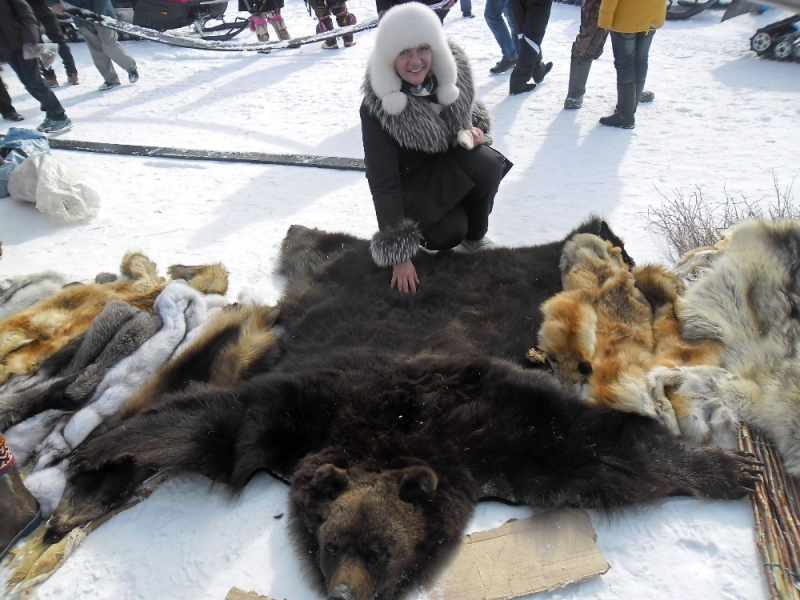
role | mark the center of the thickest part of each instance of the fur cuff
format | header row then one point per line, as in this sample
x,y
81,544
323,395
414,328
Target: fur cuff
x,y
396,245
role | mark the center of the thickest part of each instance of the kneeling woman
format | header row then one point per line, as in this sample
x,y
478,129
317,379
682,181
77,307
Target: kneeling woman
x,y
433,178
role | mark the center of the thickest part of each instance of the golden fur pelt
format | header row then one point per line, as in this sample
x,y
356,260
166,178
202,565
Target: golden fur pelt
x,y
613,333
30,336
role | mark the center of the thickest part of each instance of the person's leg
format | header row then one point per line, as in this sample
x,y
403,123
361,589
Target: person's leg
x,y
53,31
531,17
323,14
643,42
6,108
493,14
18,507
114,50
343,19
30,76
588,46
448,232
275,18
100,59
486,168
624,45
466,8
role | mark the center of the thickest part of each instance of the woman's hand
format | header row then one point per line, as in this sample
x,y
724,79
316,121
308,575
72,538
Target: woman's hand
x,y
477,136
404,277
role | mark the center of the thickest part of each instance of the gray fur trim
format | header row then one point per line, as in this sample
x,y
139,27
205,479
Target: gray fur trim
x,y
482,119
18,293
396,245
420,126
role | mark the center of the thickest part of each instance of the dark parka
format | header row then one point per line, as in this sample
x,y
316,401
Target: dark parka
x,y
18,26
412,174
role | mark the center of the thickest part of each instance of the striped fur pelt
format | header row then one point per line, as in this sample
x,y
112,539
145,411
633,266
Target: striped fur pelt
x,y
28,337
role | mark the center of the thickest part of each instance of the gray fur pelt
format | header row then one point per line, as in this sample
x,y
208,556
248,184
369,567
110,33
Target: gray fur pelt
x,y
421,126
18,293
748,298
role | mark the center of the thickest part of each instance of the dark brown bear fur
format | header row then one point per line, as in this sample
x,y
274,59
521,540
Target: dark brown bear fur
x,y
391,416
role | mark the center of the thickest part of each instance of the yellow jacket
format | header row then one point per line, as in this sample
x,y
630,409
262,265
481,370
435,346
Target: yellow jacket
x,y
632,16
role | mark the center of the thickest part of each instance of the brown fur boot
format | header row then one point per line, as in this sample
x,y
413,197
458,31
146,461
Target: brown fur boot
x,y
19,509
274,17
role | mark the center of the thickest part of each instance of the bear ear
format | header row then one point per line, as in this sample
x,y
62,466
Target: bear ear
x,y
329,482
418,484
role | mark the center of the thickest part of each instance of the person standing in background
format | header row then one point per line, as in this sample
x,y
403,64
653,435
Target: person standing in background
x,y
531,18
506,36
104,44
633,25
20,48
587,47
52,28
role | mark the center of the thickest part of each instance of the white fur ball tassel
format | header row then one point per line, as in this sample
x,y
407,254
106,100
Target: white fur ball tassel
x,y
447,93
465,139
394,103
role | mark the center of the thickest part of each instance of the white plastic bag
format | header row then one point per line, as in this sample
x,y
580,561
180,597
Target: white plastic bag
x,y
54,187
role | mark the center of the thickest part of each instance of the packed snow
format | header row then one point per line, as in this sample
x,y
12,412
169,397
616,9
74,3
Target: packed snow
x,y
723,122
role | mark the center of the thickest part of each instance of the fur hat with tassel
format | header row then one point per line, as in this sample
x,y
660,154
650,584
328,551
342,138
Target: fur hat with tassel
x,y
408,26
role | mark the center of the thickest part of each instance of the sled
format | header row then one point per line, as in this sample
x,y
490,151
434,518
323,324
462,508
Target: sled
x,y
678,10
183,41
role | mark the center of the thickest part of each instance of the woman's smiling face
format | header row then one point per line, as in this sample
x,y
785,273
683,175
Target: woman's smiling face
x,y
413,64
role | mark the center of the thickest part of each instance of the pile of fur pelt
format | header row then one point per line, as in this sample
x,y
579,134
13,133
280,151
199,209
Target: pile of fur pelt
x,y
701,347
85,356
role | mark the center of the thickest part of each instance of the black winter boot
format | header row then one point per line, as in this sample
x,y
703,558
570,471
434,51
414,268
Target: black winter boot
x,y
626,108
642,94
578,75
19,509
540,70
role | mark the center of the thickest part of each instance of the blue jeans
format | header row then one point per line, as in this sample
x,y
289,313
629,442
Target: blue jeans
x,y
630,55
466,6
27,71
507,40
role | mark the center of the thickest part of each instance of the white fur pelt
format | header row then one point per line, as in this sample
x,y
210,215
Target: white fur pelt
x,y
746,294
18,293
182,309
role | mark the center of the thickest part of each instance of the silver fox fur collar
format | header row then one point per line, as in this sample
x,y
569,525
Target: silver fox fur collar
x,y
420,126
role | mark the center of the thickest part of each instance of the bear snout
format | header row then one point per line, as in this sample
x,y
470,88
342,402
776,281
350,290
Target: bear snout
x,y
351,581
341,592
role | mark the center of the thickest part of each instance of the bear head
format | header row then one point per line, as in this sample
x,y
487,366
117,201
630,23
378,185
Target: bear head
x,y
372,532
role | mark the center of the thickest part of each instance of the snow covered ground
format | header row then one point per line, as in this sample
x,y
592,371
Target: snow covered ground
x,y
723,121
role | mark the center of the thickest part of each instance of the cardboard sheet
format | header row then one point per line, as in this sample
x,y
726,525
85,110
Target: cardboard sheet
x,y
523,557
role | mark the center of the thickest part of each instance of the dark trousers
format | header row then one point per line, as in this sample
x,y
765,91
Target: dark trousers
x,y
630,55
531,18
469,219
53,30
31,78
6,108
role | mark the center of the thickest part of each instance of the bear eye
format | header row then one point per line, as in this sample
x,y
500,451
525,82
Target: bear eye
x,y
331,549
380,556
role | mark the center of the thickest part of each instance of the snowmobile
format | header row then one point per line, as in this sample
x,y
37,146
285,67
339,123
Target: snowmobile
x,y
779,40
161,15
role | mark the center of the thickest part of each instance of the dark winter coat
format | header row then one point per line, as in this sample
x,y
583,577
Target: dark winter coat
x,y
18,26
259,6
412,174
101,7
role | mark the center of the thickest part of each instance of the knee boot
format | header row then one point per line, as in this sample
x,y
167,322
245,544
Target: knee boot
x,y
578,75
344,19
258,23
18,507
276,20
642,94
326,24
626,108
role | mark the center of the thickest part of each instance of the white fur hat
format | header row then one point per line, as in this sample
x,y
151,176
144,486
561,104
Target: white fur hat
x,y
408,26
